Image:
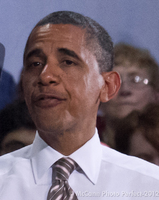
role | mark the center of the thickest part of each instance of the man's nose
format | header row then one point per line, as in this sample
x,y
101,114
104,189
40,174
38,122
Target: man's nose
x,y
50,74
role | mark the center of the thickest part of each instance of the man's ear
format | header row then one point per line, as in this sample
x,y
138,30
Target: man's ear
x,y
111,85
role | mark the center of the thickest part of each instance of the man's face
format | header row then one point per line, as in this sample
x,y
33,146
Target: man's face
x,y
130,96
61,78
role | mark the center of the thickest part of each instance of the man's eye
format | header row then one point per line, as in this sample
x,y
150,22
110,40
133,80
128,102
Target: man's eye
x,y
69,62
36,64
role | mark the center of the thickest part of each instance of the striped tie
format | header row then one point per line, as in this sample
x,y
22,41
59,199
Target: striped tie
x,y
60,189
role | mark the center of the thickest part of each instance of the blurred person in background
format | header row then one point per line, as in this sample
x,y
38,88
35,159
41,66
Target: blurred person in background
x,y
140,86
17,129
138,134
7,83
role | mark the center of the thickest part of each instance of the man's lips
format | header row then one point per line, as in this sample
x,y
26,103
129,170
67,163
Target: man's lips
x,y
47,100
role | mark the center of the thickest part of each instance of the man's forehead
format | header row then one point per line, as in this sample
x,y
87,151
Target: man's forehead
x,y
57,31
65,30
65,34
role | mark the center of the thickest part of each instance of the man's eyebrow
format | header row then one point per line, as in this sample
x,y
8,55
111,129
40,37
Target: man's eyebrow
x,y
68,52
34,52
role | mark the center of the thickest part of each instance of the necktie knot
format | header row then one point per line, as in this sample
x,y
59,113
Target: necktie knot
x,y
64,167
60,188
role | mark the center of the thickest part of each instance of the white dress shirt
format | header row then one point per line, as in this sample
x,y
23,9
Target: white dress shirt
x,y
26,174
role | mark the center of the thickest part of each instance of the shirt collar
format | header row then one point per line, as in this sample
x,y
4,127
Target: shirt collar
x,y
88,157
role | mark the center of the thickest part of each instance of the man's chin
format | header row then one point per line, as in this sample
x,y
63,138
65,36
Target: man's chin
x,y
50,129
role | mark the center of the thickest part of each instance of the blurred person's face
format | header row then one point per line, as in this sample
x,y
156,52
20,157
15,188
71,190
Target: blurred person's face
x,y
135,92
16,140
142,148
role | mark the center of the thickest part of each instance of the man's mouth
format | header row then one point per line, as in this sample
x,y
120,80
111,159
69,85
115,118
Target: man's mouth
x,y
47,100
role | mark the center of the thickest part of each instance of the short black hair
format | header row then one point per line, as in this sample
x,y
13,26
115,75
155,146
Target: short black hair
x,y
94,31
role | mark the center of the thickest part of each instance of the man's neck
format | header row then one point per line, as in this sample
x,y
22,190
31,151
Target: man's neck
x,y
67,142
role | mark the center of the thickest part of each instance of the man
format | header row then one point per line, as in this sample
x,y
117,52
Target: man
x,y
140,86
67,73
